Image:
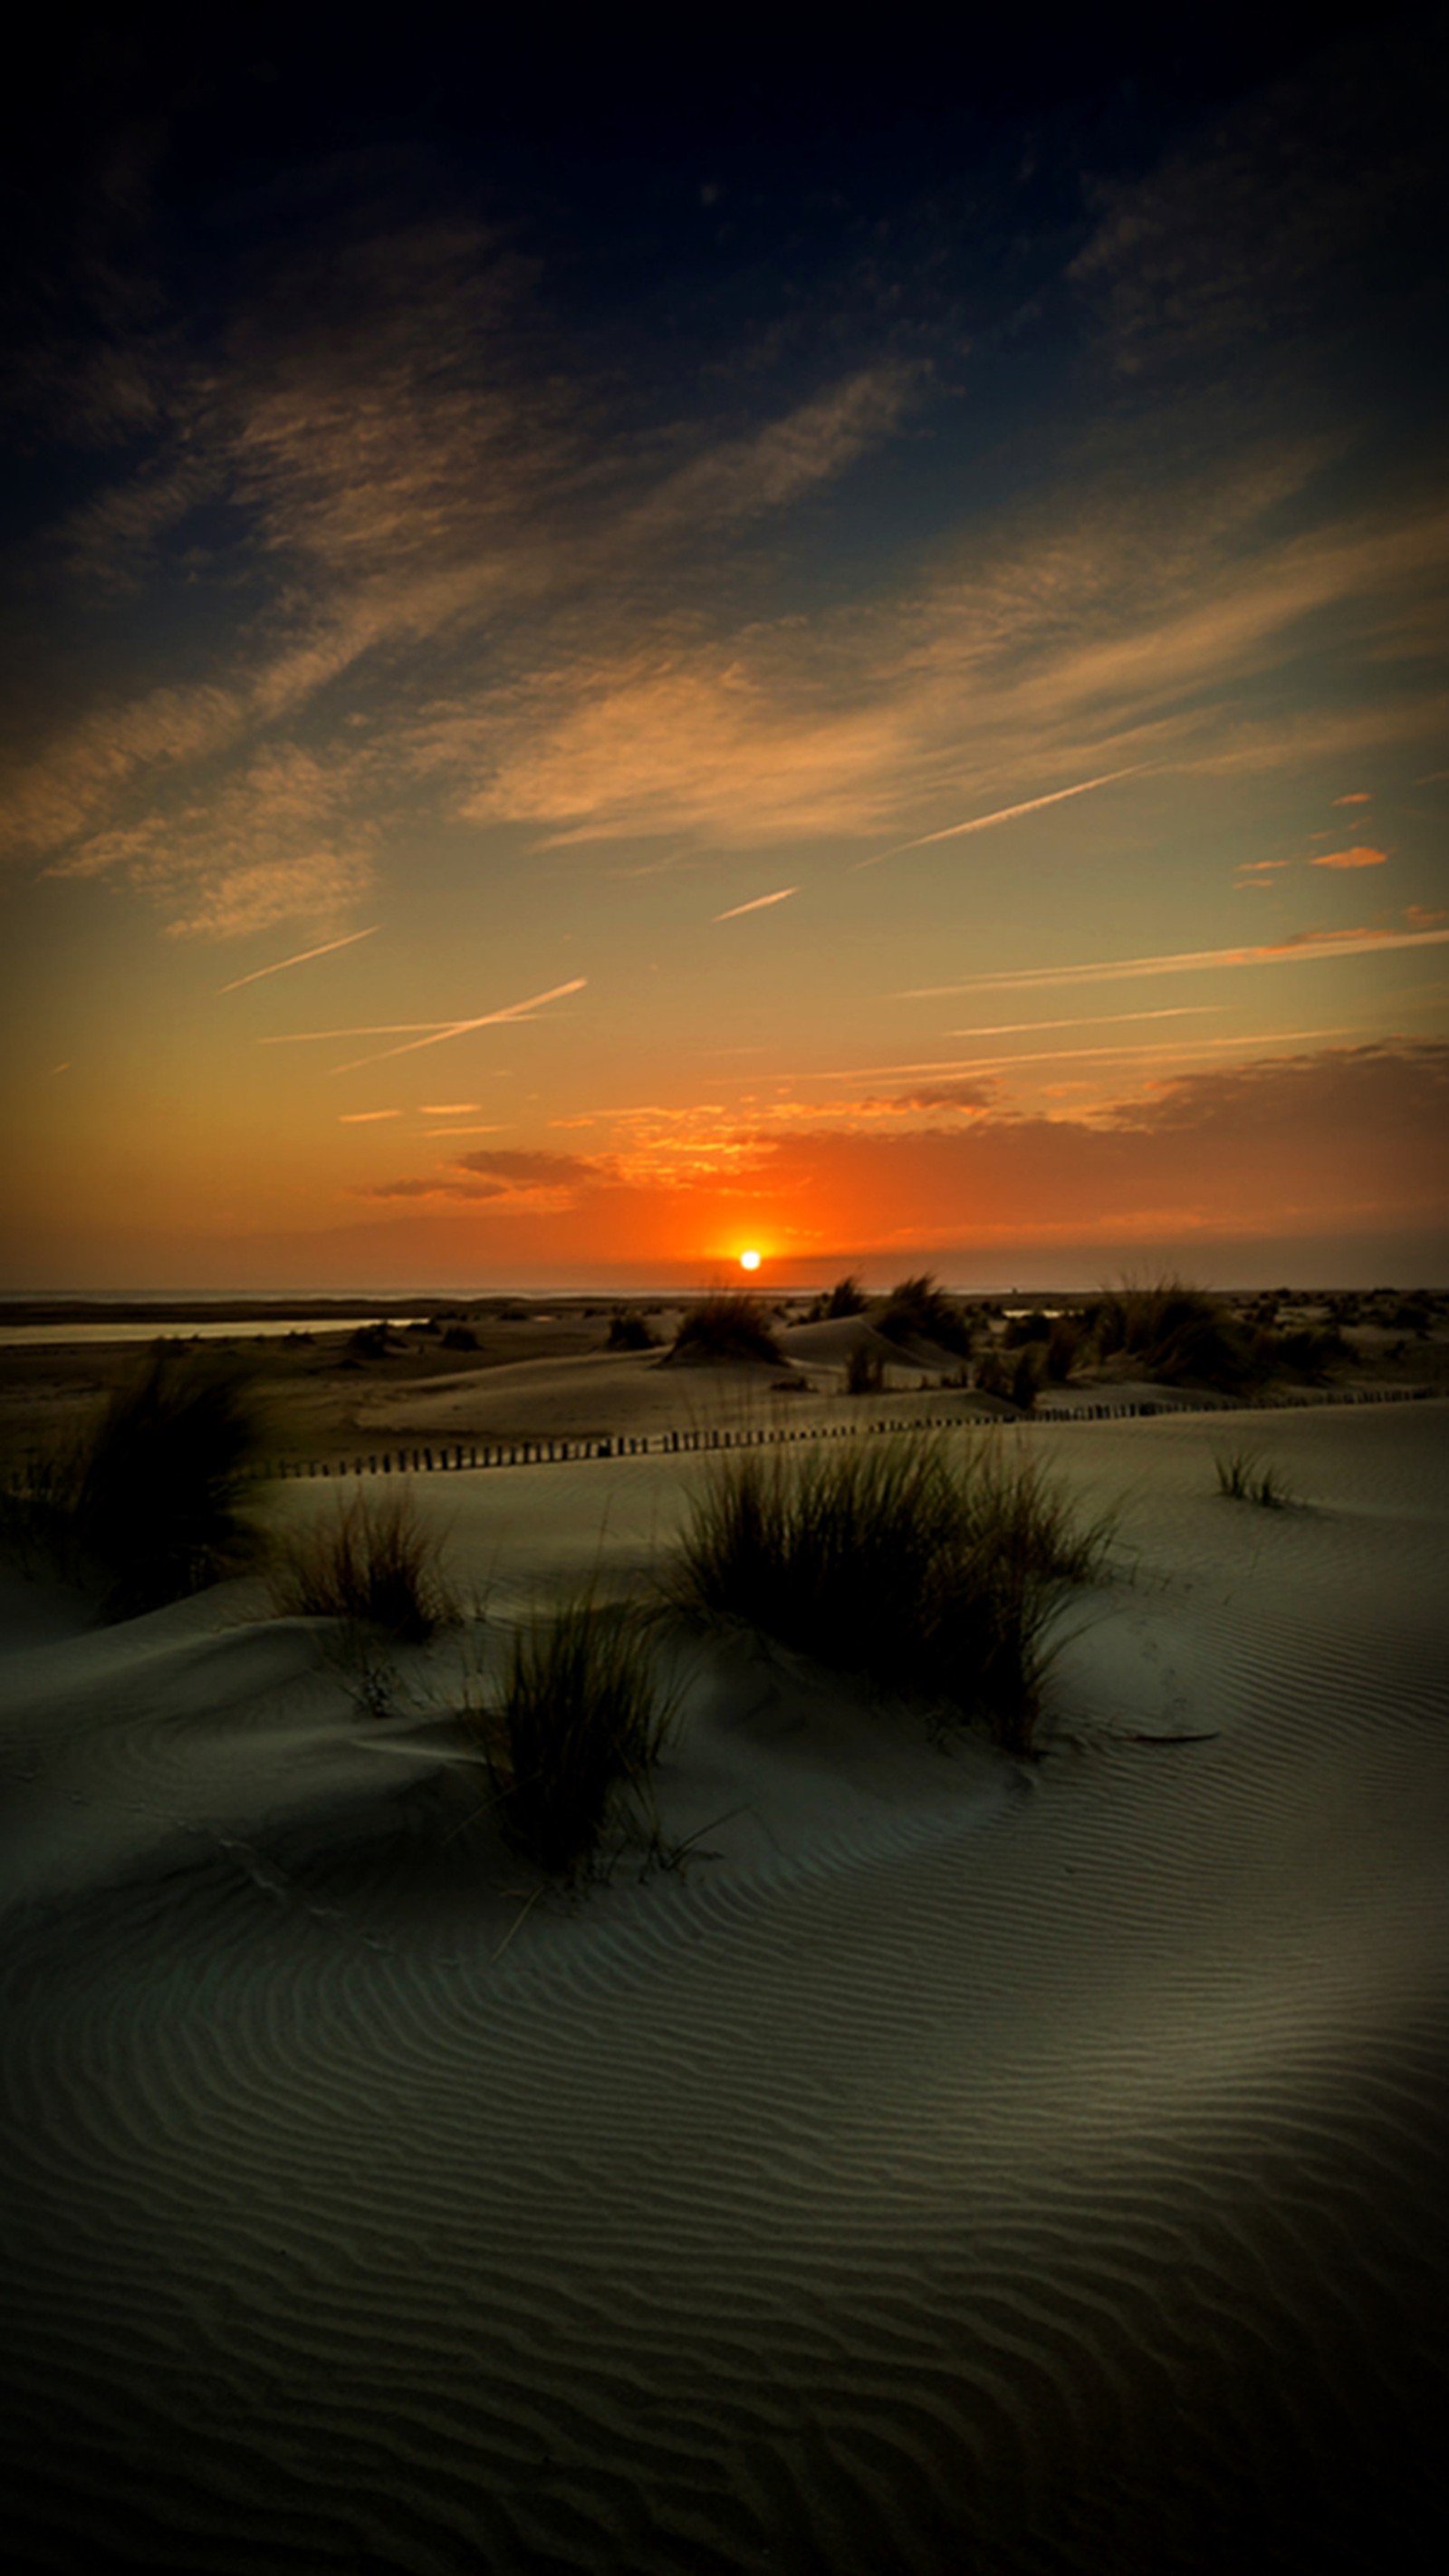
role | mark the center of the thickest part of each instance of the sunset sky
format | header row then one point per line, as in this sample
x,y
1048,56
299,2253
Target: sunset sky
x,y
610,662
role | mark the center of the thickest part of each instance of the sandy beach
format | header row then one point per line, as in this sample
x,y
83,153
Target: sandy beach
x,y
949,2162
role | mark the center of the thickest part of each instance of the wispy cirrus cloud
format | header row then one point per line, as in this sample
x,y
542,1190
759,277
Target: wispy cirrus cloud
x,y
1361,856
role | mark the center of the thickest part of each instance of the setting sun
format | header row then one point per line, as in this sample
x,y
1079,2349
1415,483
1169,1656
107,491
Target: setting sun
x,y
749,1261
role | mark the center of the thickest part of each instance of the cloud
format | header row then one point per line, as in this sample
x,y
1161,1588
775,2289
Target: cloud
x,y
761,903
1350,1140
739,479
364,1117
1360,857
1278,213
511,1183
571,1171
1359,797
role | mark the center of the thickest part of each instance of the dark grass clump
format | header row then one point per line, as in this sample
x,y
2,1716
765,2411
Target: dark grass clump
x,y
929,1574
147,1506
1178,1334
918,1311
628,1331
1017,1380
1021,1329
846,1298
1311,1352
576,1731
372,1562
1064,1348
864,1372
1244,1479
727,1326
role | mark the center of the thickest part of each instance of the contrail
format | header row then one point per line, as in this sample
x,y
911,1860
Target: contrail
x,y
461,1028
1332,943
759,904
301,958
1097,1020
435,1030
1003,814
1070,1055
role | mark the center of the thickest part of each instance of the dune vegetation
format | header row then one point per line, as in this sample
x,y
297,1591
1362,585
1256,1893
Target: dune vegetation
x,y
1243,1478
371,1561
932,1574
917,1310
147,1505
1182,1335
574,1731
730,1325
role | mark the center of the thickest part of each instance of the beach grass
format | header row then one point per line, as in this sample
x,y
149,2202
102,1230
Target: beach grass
x,y
147,1505
918,1311
574,1729
1243,1478
932,1574
727,1326
371,1561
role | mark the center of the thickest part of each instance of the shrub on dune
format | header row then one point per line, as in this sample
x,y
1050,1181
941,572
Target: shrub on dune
x,y
864,1371
628,1331
1178,1334
148,1503
929,1574
371,1561
578,1726
728,1326
1244,1479
846,1298
918,1311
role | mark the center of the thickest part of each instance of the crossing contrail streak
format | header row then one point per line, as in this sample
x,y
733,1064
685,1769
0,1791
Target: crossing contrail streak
x,y
301,958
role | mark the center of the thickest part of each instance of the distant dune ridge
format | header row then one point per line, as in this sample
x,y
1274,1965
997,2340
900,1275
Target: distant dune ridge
x,y
947,2161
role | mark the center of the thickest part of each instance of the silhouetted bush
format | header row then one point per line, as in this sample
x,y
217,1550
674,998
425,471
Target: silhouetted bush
x,y
1310,1351
371,1561
460,1337
846,1298
1034,1327
1244,1479
1064,1348
729,1326
1178,1334
629,1332
579,1723
864,1372
147,1503
918,1311
930,1574
370,1342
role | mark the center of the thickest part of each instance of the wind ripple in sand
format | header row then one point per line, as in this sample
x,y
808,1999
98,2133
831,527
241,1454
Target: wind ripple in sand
x,y
1034,2182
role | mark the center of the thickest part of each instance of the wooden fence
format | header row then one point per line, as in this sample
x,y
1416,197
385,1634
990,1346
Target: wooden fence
x,y
455,1457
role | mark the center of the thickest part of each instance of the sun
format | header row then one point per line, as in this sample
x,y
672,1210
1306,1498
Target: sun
x,y
749,1261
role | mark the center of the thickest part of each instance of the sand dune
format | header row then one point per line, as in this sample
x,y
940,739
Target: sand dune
x,y
956,2164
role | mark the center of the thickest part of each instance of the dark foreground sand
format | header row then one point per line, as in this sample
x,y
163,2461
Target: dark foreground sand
x,y
956,2166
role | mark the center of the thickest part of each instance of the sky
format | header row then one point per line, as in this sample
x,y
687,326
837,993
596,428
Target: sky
x,y
612,659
